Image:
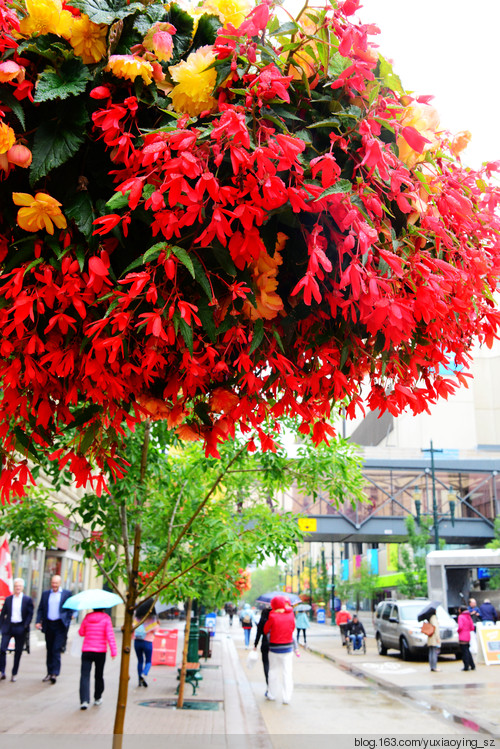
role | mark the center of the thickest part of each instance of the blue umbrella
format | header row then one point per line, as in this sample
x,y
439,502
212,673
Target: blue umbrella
x,y
92,599
268,597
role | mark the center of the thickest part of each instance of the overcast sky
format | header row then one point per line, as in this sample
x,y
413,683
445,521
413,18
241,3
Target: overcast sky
x,y
448,49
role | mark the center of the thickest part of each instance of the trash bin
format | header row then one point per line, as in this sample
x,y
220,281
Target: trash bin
x,y
204,644
165,647
210,622
320,616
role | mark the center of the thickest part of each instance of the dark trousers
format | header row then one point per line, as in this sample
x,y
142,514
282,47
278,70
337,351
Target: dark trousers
x,y
144,652
55,639
18,632
265,662
467,656
299,630
98,659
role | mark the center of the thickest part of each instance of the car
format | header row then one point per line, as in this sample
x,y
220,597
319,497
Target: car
x,y
397,627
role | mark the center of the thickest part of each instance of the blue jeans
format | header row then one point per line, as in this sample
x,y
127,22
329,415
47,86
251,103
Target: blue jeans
x,y
144,652
357,641
247,636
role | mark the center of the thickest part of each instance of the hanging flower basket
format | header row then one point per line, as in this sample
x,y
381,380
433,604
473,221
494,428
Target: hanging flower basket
x,y
221,216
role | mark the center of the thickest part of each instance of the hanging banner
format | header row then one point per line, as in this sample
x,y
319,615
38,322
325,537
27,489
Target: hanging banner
x,y
489,637
6,584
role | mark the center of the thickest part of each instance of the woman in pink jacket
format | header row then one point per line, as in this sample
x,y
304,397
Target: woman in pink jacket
x,y
97,633
465,627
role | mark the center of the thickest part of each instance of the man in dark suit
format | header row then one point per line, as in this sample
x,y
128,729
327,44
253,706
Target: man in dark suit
x,y
54,622
15,620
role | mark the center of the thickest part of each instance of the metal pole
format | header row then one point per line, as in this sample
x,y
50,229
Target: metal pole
x,y
434,501
333,585
310,574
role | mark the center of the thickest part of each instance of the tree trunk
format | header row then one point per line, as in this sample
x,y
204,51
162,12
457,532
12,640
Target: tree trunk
x,y
182,677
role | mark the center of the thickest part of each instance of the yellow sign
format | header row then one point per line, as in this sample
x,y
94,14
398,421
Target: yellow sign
x,y
309,525
489,637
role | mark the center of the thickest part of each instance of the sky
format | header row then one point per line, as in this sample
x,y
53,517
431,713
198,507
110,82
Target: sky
x,y
448,49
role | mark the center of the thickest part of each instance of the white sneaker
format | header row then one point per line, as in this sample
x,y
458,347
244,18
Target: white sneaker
x,y
268,697
98,702
84,705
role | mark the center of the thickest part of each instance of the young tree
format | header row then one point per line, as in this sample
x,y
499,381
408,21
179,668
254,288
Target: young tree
x,y
494,581
363,585
411,560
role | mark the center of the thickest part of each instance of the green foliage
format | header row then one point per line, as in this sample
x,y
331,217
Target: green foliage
x,y
32,521
494,581
58,140
107,11
264,579
363,585
412,558
69,79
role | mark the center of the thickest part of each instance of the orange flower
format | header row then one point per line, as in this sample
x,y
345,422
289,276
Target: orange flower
x,y
159,40
264,271
425,119
188,433
16,156
39,212
10,70
130,67
7,137
223,400
460,142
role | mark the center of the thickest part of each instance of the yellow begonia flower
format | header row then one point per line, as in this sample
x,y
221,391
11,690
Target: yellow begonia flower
x,y
88,39
46,17
130,67
229,11
39,212
425,119
193,93
7,137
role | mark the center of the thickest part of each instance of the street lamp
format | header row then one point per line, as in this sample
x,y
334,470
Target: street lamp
x,y
435,514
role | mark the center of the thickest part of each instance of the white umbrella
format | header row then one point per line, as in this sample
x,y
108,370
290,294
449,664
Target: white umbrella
x,y
92,599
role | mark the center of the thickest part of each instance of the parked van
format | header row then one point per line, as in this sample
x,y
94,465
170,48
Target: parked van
x,y
397,627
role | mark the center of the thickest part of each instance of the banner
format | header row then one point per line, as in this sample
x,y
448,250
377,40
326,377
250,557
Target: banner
x,y
489,637
6,586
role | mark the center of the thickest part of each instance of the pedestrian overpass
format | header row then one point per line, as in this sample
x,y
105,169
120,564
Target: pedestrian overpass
x,y
462,494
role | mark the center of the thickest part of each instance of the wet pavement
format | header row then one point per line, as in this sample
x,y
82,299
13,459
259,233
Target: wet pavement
x,y
336,694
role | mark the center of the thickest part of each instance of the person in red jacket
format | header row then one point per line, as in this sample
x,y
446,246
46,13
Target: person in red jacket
x,y
97,632
465,627
280,627
342,620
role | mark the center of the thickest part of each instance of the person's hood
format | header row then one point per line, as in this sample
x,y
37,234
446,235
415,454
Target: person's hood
x,y
280,602
246,605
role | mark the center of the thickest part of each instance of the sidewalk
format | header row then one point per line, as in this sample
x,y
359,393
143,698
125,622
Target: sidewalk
x,y
334,694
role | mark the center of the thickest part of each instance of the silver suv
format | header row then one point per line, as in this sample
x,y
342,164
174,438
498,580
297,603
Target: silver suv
x,y
397,626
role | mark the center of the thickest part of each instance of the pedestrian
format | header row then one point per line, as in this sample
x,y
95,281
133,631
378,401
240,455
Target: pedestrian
x,y
247,621
146,624
356,631
264,643
302,623
54,622
229,609
280,627
15,620
488,612
433,640
97,633
474,610
465,628
342,619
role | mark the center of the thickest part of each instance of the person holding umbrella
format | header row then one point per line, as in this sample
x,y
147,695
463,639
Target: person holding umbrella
x,y
302,620
431,629
97,632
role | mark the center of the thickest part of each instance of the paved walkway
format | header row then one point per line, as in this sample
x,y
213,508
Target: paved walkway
x,y
232,710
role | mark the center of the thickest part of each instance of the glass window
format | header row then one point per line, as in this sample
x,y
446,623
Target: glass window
x,y
387,611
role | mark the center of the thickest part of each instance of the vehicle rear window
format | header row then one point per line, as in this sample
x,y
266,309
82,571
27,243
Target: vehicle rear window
x,y
387,611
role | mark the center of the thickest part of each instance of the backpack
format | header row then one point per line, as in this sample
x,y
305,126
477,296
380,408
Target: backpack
x,y
247,619
140,632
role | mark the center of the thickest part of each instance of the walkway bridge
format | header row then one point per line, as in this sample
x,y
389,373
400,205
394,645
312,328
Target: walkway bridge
x,y
463,493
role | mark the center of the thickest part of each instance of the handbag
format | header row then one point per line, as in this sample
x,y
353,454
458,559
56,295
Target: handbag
x,y
252,659
428,629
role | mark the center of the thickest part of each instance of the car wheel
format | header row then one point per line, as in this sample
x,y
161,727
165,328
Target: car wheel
x,y
405,649
382,650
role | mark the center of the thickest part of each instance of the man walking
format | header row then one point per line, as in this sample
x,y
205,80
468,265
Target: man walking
x,y
15,620
54,622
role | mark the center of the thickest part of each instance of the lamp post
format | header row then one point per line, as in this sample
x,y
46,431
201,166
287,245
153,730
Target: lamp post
x,y
333,586
435,514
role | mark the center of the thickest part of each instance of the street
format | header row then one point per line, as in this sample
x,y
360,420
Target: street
x,y
336,695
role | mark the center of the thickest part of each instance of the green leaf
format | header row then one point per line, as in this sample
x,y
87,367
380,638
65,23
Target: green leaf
x,y
206,32
154,252
181,254
56,141
287,28
201,277
187,334
258,335
118,201
334,122
10,101
389,77
343,185
80,209
206,315
184,25
50,46
70,79
224,259
107,11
